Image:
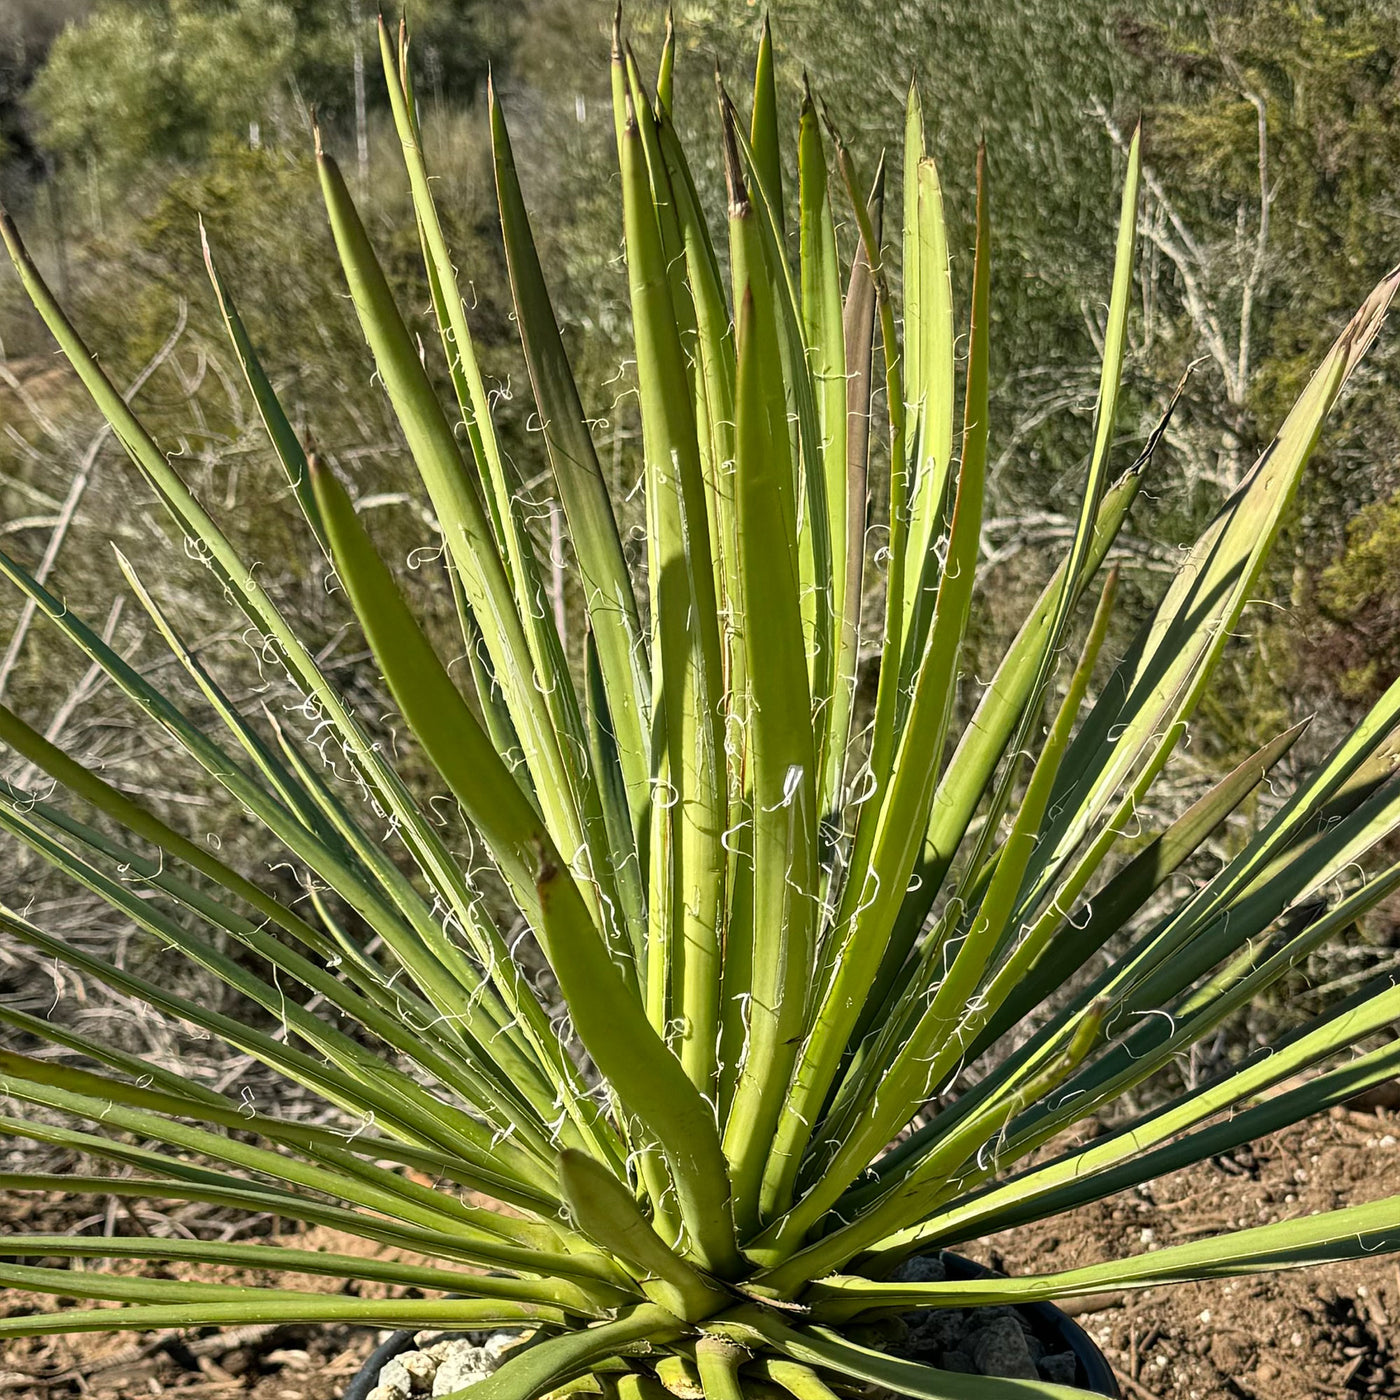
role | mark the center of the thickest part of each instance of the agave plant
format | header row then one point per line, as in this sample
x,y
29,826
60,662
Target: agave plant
x,y
830,969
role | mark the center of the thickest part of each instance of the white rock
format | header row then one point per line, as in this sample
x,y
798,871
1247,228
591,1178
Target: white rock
x,y
421,1369
498,1343
395,1380
463,1366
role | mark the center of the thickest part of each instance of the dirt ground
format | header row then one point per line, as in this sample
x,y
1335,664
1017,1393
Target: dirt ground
x,y
1296,1336
1333,1330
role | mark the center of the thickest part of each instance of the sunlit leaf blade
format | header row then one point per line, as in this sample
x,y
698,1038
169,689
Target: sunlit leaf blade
x,y
612,793
418,939
826,354
605,1210
1143,1050
397,1017
763,128
717,1360
809,500
858,328
778,728
1163,971
603,571
491,699
665,76
305,1261
441,1314
1081,545
981,746
951,1016
887,695
242,585
440,967
685,635
646,1076
488,1171
496,475
295,1172
936,1027
206,1188
241,582
350,1076
798,1380
1239,903
858,336
929,341
1328,1237
889,834
560,785
714,394
911,265
197,1100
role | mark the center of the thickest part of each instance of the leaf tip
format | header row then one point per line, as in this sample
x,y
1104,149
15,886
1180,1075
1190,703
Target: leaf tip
x,y
10,234
877,186
208,254
739,205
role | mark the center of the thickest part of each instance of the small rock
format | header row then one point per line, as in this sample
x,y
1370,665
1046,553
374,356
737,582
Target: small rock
x,y
1033,1343
999,1349
394,1382
958,1360
1059,1368
421,1369
498,1343
933,1330
921,1268
461,1368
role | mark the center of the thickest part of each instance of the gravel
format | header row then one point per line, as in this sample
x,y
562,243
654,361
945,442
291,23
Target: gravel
x,y
993,1341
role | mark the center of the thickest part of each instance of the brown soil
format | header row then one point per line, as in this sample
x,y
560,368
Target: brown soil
x,y
1331,1330
1295,1336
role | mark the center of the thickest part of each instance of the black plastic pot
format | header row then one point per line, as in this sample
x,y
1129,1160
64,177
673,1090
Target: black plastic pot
x,y
363,1381
1050,1324
1059,1331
